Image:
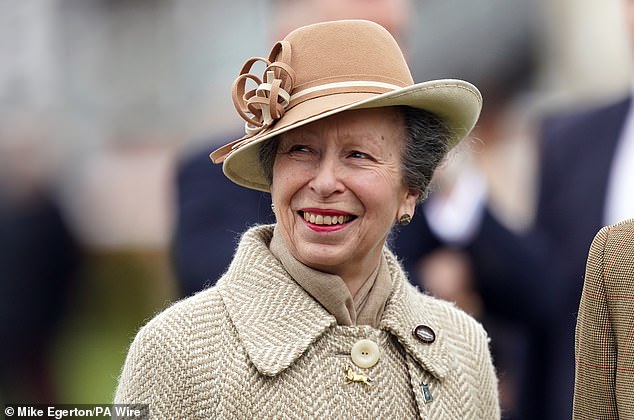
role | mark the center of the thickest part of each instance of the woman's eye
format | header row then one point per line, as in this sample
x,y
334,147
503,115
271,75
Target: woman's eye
x,y
298,148
358,155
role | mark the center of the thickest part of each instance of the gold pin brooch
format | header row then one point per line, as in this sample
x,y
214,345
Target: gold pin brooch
x,y
352,376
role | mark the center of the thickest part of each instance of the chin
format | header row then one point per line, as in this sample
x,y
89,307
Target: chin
x,y
329,262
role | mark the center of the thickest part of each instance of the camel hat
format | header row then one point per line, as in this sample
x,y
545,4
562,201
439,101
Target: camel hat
x,y
326,68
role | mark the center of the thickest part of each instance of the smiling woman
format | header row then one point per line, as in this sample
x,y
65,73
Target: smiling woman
x,y
315,314
348,165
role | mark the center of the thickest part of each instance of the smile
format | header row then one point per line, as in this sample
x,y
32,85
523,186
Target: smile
x,y
323,219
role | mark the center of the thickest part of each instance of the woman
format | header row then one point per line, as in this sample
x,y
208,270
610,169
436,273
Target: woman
x,y
315,318
604,364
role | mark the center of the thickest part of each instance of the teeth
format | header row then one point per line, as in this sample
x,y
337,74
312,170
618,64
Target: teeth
x,y
319,219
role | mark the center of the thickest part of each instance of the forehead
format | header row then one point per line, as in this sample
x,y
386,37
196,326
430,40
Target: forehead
x,y
380,123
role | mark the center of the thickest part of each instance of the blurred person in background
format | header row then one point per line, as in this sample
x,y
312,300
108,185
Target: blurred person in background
x,y
604,374
208,221
535,275
39,258
447,257
315,315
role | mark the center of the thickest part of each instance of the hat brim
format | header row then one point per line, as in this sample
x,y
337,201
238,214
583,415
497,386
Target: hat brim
x,y
456,102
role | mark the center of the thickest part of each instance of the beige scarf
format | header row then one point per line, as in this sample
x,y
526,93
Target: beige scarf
x,y
365,308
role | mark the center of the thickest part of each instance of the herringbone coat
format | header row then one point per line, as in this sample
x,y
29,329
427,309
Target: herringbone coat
x,y
258,346
604,344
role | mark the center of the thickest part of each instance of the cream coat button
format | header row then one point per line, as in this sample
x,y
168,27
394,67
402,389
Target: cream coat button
x,y
365,353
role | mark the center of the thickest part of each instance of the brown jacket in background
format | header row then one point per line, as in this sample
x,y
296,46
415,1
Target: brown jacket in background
x,y
604,346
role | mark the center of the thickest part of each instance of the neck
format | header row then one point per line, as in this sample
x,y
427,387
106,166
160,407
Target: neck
x,y
355,276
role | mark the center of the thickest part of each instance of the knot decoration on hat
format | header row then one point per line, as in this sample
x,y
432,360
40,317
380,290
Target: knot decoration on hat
x,y
334,67
261,106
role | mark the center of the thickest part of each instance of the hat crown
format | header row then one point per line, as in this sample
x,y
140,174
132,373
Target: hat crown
x,y
320,60
322,69
346,50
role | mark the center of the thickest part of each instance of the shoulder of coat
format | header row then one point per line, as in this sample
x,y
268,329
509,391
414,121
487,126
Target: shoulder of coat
x,y
447,314
182,318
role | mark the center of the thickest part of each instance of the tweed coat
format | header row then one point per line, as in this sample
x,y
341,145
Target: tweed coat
x,y
604,343
256,345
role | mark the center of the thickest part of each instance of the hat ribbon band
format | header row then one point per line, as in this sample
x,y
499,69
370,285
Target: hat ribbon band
x,y
298,97
343,86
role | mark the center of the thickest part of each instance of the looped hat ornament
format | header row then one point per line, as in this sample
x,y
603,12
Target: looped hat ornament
x,y
322,69
266,104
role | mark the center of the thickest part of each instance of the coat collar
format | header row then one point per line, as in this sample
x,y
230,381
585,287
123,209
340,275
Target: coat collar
x,y
276,320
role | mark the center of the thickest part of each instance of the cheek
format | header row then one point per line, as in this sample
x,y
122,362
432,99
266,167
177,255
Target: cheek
x,y
286,182
390,177
382,190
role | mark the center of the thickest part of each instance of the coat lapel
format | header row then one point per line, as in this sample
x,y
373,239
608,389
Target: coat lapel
x,y
276,320
405,310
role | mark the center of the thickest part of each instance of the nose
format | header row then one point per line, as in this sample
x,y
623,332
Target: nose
x,y
327,178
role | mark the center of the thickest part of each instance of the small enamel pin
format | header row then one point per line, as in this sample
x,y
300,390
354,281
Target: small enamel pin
x,y
427,398
352,376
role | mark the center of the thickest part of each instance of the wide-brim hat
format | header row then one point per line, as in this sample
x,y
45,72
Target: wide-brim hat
x,y
327,68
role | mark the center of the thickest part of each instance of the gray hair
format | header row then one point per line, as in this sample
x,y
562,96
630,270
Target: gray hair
x,y
425,146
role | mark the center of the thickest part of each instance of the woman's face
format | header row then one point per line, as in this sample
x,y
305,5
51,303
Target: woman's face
x,y
337,189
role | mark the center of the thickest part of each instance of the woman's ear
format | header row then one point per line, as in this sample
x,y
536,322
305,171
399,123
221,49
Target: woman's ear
x,y
408,205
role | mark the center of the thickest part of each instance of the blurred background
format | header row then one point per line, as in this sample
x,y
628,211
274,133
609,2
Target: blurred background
x,y
101,99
